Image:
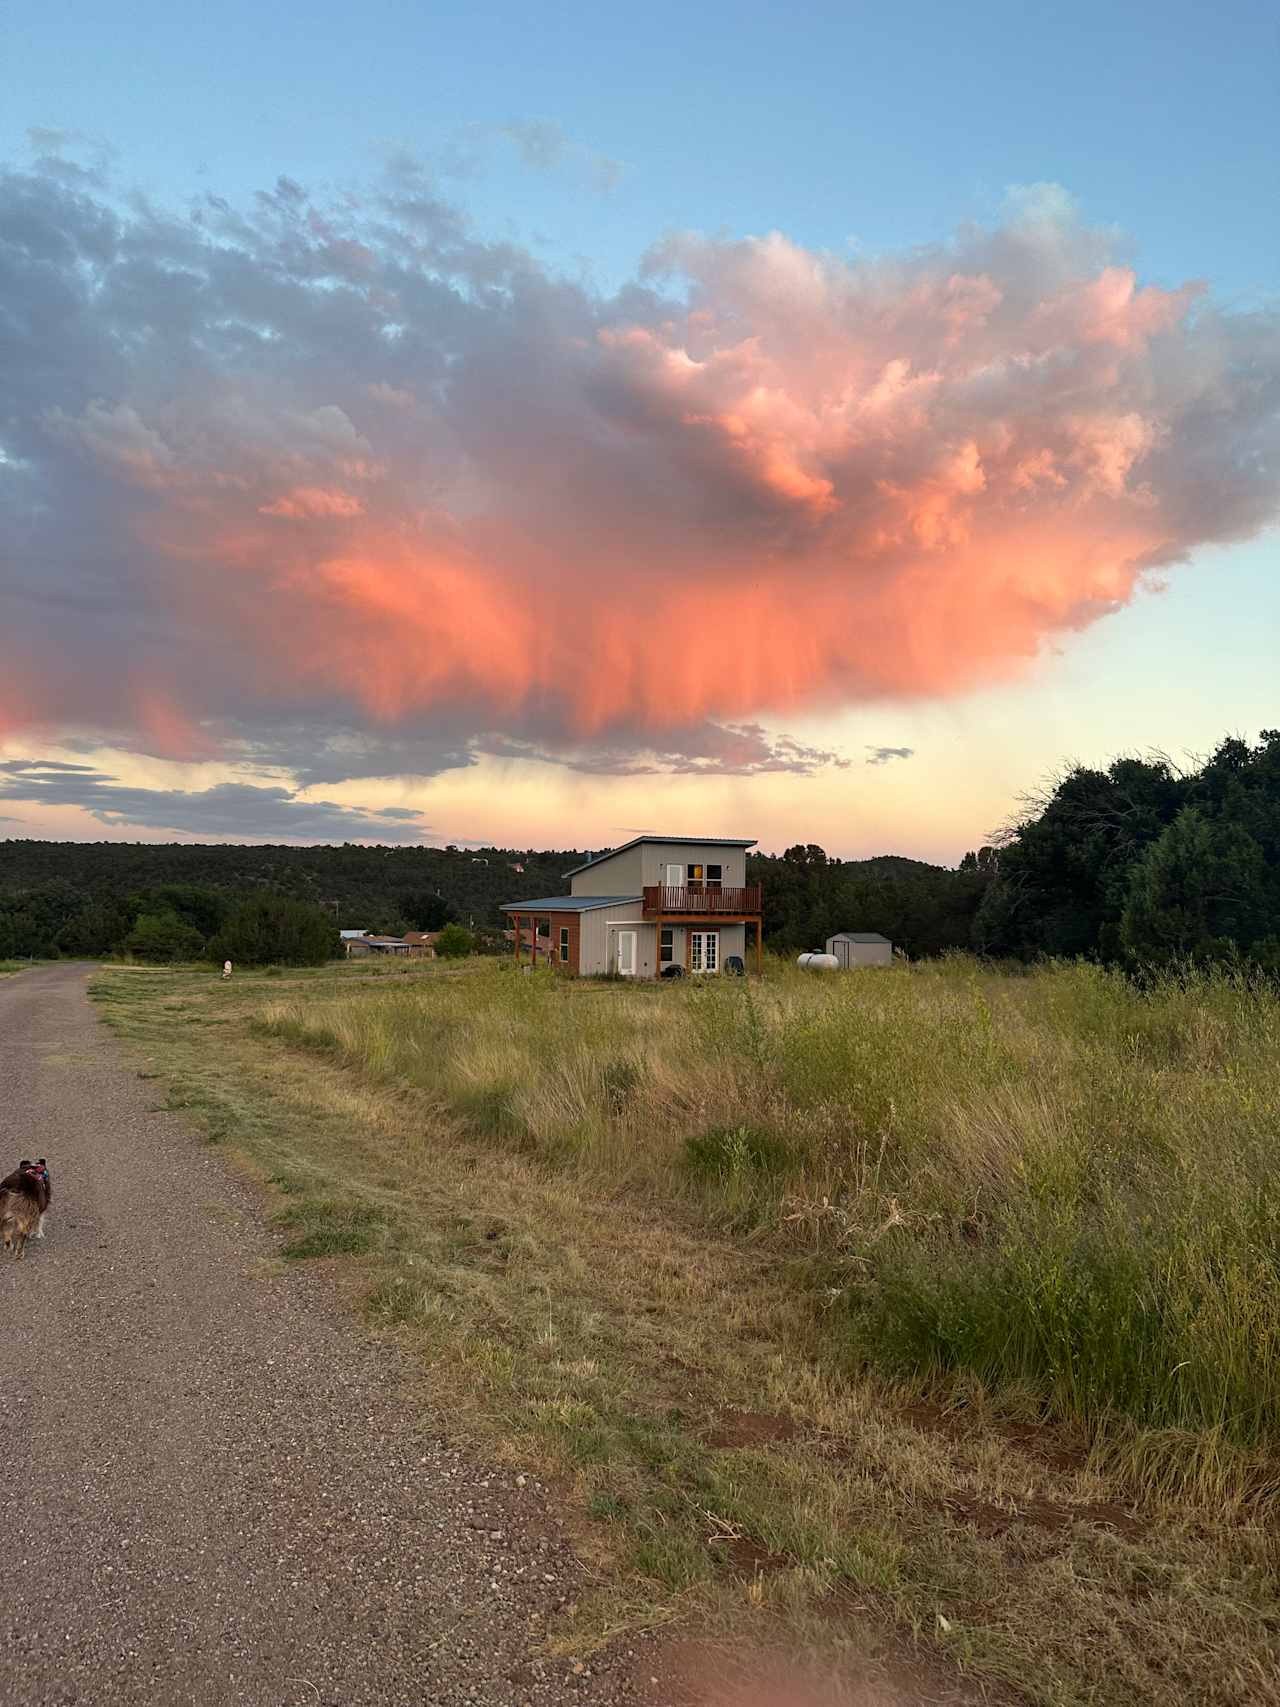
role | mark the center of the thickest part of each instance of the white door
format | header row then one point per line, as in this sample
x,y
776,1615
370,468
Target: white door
x,y
673,876
627,953
704,951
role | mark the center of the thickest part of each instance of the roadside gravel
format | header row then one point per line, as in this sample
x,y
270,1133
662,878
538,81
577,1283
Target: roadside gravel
x,y
216,1490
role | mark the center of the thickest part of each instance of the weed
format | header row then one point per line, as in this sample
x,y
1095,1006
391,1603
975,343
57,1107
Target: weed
x,y
325,1227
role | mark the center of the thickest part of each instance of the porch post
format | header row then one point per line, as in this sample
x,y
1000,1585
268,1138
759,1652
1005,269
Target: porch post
x,y
759,947
516,917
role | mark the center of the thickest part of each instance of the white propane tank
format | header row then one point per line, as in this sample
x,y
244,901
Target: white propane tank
x,y
819,962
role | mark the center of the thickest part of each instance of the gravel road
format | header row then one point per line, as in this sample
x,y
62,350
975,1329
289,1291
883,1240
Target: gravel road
x,y
215,1489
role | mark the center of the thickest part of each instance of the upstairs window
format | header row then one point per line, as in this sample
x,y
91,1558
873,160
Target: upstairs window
x,y
714,875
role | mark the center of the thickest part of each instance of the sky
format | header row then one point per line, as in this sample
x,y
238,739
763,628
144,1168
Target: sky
x,y
536,425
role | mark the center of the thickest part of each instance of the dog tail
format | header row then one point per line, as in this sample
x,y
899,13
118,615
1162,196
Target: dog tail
x,y
11,1226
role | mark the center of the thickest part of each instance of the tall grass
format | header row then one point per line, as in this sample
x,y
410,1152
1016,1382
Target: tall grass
x,y
1052,1182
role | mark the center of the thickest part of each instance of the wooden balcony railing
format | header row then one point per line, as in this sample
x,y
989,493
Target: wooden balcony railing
x,y
700,900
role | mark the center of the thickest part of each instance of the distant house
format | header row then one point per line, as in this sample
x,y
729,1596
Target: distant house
x,y
655,906
422,944
358,945
861,948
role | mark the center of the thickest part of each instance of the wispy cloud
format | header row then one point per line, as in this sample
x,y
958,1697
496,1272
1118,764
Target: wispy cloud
x,y
545,146
885,755
235,810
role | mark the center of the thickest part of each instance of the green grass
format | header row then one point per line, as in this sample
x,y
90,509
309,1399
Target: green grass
x,y
839,1306
1055,1183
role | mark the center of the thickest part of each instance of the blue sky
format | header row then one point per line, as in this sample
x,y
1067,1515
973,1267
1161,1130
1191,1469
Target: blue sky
x,y
885,125
586,133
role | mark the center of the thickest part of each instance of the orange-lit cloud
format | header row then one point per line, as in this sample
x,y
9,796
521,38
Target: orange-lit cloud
x,y
353,466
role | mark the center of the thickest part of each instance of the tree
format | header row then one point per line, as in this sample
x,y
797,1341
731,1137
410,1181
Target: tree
x,y
163,937
427,911
99,929
1198,893
454,942
271,929
1062,879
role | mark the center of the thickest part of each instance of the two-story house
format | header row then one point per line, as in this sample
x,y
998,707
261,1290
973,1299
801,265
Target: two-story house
x,y
655,904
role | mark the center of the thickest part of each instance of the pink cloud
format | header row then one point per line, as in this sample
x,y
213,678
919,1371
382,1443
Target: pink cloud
x,y
313,501
760,480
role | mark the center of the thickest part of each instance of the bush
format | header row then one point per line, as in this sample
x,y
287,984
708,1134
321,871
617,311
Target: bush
x,y
274,928
163,937
454,942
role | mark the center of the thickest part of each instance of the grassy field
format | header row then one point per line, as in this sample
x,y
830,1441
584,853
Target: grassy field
x,y
930,1307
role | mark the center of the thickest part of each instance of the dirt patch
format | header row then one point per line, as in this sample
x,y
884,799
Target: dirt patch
x,y
743,1557
1046,1445
693,1674
750,1428
990,1519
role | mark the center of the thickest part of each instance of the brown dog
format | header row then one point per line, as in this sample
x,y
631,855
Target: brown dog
x,y
25,1196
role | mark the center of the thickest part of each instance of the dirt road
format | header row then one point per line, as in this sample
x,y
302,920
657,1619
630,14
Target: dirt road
x,y
215,1490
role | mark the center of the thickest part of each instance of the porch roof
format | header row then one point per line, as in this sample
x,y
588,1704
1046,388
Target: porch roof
x,y
567,903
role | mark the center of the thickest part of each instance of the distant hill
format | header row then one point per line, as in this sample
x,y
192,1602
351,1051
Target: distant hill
x,y
85,897
366,887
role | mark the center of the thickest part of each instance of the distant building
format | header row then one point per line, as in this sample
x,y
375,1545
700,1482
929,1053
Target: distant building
x,y
359,945
861,948
422,944
656,906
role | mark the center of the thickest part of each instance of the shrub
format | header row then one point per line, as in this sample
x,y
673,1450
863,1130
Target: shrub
x,y
454,942
163,937
275,928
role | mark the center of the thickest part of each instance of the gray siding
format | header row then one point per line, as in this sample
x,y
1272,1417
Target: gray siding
x,y
630,872
684,854
861,953
617,875
599,941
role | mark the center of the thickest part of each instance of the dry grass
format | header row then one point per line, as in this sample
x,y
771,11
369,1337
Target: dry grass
x,y
654,1240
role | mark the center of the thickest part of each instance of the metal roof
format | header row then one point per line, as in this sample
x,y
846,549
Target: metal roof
x,y
348,935
567,903
684,841
857,936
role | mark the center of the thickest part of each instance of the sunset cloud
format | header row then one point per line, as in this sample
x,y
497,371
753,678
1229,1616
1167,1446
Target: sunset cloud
x,y
338,465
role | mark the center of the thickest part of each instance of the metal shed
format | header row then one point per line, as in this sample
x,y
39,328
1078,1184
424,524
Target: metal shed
x,y
861,948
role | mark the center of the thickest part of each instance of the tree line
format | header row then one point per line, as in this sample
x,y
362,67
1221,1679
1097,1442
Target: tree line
x,y
1141,864
1146,864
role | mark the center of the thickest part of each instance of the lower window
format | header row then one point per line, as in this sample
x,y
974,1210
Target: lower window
x,y
667,945
564,942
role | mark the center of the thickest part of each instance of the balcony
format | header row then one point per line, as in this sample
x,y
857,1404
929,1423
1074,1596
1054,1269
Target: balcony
x,y
700,901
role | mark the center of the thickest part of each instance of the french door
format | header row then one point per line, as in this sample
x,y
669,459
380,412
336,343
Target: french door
x,y
704,951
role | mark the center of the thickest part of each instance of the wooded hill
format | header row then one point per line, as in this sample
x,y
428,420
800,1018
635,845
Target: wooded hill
x,y
1142,864
86,897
